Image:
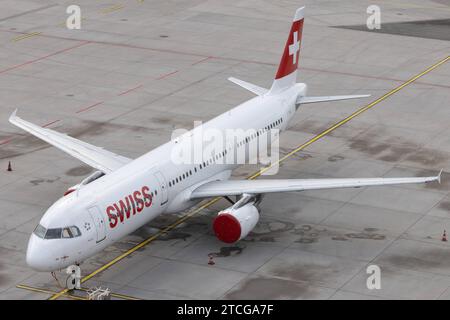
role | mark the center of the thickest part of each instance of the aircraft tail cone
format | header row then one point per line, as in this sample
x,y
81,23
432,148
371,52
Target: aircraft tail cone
x,y
444,237
9,166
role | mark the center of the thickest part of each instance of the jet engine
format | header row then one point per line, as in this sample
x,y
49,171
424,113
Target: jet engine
x,y
236,222
89,179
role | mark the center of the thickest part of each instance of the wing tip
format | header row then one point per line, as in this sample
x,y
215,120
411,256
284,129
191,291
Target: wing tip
x,y
439,176
13,115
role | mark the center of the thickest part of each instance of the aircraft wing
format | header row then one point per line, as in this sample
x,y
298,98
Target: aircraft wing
x,y
304,100
239,187
95,157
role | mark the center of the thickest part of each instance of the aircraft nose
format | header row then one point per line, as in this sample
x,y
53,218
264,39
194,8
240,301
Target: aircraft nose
x,y
36,256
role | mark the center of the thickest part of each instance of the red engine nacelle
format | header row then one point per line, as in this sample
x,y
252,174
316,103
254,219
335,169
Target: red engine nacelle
x,y
233,224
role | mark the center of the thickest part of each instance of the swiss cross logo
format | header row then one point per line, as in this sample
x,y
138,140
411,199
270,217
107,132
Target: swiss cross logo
x,y
289,60
294,48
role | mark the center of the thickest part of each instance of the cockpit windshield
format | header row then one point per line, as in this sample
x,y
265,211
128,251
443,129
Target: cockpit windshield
x,y
54,233
57,233
40,231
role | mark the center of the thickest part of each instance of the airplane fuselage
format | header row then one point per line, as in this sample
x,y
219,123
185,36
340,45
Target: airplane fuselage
x,y
115,205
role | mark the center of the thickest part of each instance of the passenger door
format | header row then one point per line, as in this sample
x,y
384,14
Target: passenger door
x,y
162,183
99,222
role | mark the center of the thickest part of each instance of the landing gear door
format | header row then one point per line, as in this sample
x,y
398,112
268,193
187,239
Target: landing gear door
x,y
162,183
99,222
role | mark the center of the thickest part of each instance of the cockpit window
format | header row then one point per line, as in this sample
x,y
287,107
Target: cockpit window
x,y
53,233
66,233
40,231
71,232
57,233
75,231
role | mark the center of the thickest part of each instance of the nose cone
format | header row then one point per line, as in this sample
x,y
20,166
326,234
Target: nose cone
x,y
37,257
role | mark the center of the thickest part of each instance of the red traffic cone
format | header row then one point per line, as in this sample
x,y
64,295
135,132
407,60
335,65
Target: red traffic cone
x,y
444,237
9,166
211,261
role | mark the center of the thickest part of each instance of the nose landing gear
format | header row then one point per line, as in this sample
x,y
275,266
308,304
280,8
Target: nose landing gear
x,y
73,281
56,279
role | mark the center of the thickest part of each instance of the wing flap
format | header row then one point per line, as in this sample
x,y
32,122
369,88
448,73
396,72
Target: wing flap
x,y
238,187
93,156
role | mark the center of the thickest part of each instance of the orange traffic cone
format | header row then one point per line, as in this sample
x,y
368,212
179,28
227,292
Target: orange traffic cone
x,y
444,237
9,166
211,261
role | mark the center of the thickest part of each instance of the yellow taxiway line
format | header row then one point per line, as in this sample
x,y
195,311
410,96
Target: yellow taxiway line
x,y
63,24
257,174
46,291
113,8
26,36
21,286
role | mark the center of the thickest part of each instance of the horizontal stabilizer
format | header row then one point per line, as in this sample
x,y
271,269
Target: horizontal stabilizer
x,y
249,86
303,100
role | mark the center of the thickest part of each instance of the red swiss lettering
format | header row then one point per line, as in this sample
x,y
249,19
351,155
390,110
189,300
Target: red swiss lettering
x,y
147,196
135,202
112,217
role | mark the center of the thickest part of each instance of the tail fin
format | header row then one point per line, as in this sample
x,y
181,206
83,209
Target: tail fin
x,y
287,70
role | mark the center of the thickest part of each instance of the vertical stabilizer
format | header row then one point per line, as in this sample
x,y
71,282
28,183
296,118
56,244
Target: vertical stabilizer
x,y
287,70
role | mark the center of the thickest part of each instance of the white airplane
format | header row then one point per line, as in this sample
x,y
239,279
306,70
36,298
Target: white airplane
x,y
125,194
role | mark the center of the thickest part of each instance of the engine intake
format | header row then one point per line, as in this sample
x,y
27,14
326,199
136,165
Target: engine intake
x,y
236,222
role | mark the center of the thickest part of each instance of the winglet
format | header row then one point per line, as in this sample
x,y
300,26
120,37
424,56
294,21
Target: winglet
x,y
13,115
439,176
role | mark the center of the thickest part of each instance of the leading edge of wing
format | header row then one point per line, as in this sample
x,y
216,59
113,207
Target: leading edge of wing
x,y
238,187
305,100
93,156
